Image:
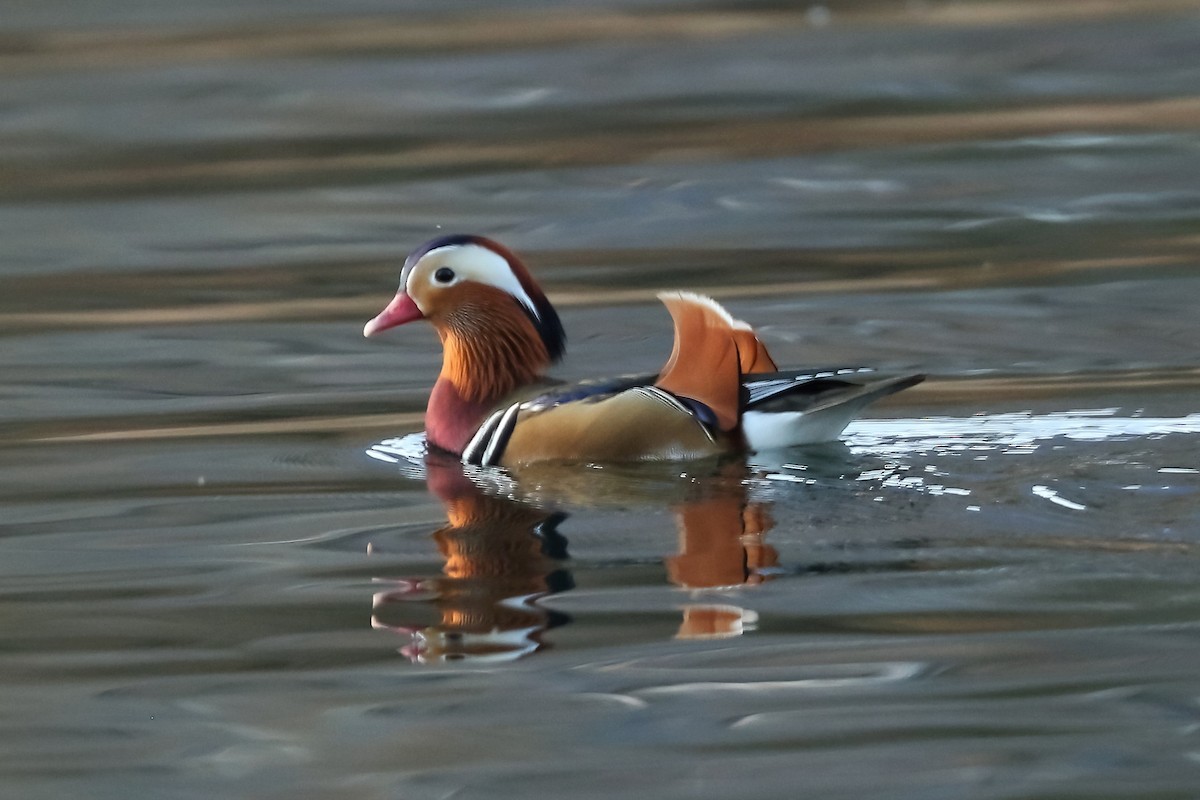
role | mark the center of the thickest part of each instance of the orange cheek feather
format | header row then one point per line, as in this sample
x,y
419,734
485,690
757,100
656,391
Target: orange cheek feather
x,y
490,344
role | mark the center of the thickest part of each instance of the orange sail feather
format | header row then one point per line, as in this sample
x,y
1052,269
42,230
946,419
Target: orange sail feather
x,y
705,364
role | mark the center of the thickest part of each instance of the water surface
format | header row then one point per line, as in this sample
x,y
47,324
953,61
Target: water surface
x,y
213,584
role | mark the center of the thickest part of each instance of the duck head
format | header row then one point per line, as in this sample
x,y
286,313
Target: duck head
x,y
498,330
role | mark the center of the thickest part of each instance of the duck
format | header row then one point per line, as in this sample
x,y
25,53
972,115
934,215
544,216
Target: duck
x,y
492,404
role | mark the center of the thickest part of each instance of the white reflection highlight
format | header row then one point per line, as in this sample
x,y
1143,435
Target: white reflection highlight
x,y
1052,495
407,452
1017,433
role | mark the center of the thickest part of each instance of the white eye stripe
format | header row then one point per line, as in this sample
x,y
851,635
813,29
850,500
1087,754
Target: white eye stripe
x,y
472,262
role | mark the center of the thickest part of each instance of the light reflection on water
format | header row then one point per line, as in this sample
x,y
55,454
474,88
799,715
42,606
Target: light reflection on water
x,y
504,551
1012,433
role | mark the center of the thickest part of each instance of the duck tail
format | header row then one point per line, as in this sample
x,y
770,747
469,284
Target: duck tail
x,y
711,353
752,353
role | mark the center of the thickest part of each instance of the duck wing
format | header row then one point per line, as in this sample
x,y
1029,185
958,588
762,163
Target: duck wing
x,y
786,409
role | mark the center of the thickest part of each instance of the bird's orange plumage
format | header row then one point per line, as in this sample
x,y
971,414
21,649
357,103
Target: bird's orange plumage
x,y
499,333
710,355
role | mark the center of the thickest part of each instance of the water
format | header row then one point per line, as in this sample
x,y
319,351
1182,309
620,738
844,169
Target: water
x,y
212,588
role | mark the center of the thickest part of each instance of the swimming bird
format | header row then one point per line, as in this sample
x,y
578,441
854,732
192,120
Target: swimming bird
x,y
719,392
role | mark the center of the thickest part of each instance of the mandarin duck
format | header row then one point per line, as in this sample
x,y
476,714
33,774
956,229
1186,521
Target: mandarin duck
x,y
719,392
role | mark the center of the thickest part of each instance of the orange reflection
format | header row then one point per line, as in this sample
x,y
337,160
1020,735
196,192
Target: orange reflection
x,y
720,546
502,556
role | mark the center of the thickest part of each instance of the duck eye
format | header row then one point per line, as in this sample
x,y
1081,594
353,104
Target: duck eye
x,y
444,275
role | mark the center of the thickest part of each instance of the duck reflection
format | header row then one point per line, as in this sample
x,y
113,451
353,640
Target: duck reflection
x,y
720,546
502,555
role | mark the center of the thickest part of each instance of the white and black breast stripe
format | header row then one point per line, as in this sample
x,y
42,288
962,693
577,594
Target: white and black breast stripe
x,y
487,445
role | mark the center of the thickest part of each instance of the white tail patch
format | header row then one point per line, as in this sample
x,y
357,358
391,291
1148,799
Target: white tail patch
x,y
713,305
707,302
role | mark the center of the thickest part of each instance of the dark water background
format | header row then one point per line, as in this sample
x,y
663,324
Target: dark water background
x,y
209,589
